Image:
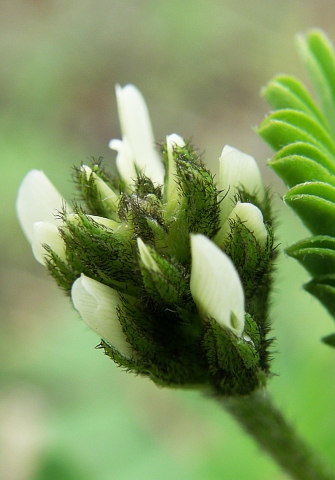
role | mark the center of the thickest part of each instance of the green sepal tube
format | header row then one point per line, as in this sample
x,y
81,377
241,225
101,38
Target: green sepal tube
x,y
97,190
232,361
252,260
164,281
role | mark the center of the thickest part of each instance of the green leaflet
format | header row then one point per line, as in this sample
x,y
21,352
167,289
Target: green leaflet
x,y
329,340
314,202
323,288
318,56
318,189
285,91
295,169
316,254
307,150
286,126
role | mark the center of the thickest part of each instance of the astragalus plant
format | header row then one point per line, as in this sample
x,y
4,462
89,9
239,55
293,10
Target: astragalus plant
x,y
172,268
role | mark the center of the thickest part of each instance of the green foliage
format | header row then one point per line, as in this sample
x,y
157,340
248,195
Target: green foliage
x,y
303,137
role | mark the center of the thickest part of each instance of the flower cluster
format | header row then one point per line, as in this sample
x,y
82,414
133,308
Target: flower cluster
x,y
169,268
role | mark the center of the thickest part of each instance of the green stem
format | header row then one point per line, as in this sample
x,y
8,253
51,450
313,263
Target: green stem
x,y
265,423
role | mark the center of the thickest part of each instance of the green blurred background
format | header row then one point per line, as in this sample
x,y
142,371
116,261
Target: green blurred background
x,y
66,411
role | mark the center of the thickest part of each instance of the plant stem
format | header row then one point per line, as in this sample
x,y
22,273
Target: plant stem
x,y
264,422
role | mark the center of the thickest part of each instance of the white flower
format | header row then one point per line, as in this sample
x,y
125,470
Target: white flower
x,y
125,161
38,204
251,216
37,201
97,305
238,169
215,285
46,233
136,150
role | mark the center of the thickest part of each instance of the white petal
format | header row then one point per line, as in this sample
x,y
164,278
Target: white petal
x,y
146,257
124,160
215,285
136,127
47,233
238,169
171,191
37,201
87,170
97,306
253,218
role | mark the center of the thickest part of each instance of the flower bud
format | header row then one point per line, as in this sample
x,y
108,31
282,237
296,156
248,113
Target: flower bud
x,y
97,305
215,285
252,218
147,259
238,170
108,196
37,201
171,190
125,161
45,233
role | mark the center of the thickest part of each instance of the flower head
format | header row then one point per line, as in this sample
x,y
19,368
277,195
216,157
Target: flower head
x,y
168,268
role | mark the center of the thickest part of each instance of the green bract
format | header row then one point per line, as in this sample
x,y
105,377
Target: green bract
x,y
304,139
169,268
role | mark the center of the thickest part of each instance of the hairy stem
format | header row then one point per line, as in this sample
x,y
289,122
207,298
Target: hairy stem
x,y
265,423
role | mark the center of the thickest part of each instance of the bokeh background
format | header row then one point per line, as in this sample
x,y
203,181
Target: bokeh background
x,y
66,411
